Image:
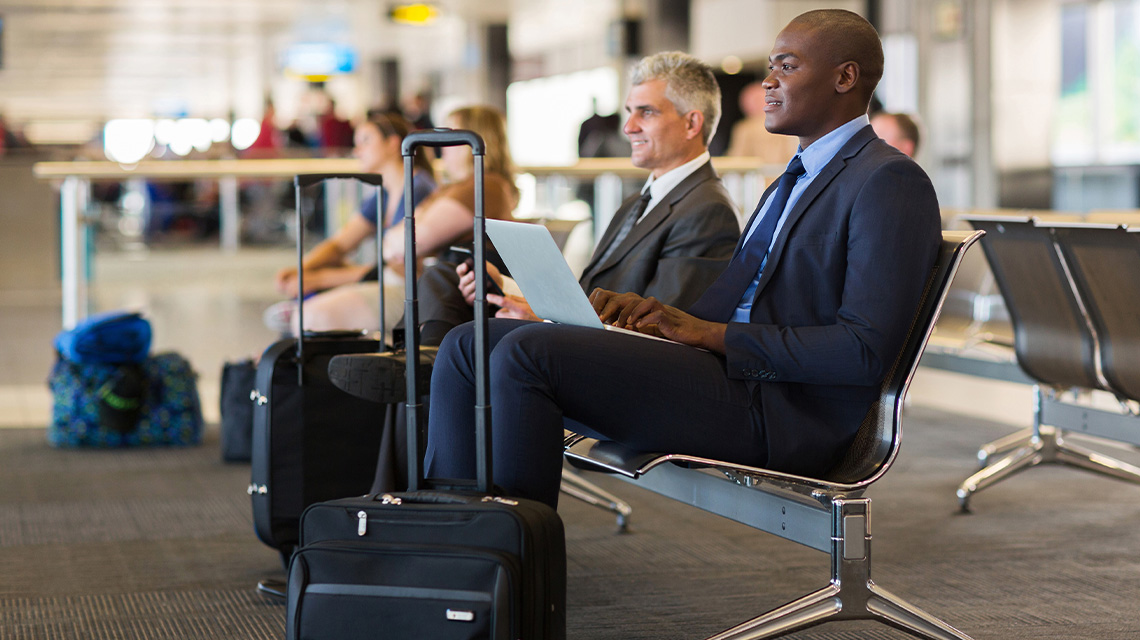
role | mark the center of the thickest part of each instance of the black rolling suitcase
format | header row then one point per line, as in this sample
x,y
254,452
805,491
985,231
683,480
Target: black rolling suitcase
x,y
311,441
433,562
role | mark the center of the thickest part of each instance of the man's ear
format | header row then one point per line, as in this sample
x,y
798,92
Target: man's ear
x,y
694,123
848,77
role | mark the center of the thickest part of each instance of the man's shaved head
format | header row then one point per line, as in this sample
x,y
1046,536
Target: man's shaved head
x,y
847,37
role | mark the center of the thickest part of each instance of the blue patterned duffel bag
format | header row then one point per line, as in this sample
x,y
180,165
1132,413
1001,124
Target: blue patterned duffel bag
x,y
96,404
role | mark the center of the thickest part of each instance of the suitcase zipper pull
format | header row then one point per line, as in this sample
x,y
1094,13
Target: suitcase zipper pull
x,y
362,523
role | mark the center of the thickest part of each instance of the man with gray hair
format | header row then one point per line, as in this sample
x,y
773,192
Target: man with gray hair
x,y
689,85
670,241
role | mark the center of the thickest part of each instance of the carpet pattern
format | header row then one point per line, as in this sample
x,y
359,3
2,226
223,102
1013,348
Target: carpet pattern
x,y
158,544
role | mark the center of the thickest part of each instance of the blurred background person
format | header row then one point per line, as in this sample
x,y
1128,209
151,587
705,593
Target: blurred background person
x,y
898,130
336,134
750,139
269,139
350,291
442,220
10,137
448,218
417,108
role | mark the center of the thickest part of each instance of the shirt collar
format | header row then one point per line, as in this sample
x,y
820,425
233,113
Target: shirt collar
x,y
820,152
658,187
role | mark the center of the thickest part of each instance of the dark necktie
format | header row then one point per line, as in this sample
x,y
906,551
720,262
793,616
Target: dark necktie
x,y
627,225
723,295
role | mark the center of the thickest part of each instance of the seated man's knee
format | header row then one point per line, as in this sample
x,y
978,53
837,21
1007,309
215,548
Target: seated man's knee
x,y
457,342
532,346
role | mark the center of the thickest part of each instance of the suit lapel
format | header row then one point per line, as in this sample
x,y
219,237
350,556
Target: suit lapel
x,y
608,235
657,215
826,175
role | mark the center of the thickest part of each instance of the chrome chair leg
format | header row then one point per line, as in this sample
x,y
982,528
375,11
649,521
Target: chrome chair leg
x,y
852,595
808,611
896,612
1014,462
1083,458
1048,446
578,487
989,451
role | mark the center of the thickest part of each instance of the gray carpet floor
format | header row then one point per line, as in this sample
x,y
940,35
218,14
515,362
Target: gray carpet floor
x,y
158,544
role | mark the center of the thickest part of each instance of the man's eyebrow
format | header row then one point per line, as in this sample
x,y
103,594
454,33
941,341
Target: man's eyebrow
x,y
780,57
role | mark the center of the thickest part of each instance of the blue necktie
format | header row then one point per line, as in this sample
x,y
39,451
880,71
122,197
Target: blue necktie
x,y
723,295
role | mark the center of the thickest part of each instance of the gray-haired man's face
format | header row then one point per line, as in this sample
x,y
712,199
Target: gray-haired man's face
x,y
661,138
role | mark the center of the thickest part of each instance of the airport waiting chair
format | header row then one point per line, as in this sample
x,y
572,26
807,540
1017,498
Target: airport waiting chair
x,y
1056,346
829,514
1104,261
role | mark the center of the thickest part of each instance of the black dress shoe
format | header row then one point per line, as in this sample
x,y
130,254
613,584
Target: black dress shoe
x,y
379,377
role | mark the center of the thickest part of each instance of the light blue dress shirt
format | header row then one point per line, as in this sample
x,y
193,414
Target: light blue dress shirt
x,y
815,158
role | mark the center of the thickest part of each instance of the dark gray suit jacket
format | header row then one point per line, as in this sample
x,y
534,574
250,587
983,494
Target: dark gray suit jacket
x,y
677,249
673,254
835,301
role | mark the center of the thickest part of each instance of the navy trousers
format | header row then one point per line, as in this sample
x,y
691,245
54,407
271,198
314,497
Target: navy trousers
x,y
647,394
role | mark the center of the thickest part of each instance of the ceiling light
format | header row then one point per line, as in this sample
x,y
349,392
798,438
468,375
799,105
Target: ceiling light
x,y
418,13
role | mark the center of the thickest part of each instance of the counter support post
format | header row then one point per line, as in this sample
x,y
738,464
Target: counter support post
x,y
74,259
230,213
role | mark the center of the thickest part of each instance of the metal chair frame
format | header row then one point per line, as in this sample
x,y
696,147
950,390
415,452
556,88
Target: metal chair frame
x,y
575,486
827,514
1054,370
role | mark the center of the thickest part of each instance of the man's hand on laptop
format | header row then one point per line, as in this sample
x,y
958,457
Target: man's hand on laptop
x,y
609,306
649,315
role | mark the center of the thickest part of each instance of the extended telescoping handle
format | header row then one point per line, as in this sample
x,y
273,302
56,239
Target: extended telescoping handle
x,y
484,469
301,181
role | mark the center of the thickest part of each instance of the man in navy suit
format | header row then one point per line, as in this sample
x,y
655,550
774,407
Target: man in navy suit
x,y
795,337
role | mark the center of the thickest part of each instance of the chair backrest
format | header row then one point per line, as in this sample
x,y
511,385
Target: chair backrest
x,y
1104,261
1053,338
877,441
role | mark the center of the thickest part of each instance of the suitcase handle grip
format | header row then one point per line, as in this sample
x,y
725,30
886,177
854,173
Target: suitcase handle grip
x,y
441,137
309,179
424,497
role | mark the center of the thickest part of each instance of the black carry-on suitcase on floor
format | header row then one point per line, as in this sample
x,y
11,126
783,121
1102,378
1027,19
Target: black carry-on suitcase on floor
x,y
431,563
311,441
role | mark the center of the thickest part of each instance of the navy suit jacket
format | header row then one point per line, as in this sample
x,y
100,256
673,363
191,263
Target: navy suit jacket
x,y
835,301
677,250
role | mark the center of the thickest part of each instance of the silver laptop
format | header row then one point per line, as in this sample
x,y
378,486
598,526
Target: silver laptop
x,y
545,279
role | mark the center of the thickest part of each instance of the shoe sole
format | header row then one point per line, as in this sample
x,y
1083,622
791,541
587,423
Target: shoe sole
x,y
378,377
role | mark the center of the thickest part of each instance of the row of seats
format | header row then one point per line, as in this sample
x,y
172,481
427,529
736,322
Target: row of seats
x,y
975,311
1070,290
